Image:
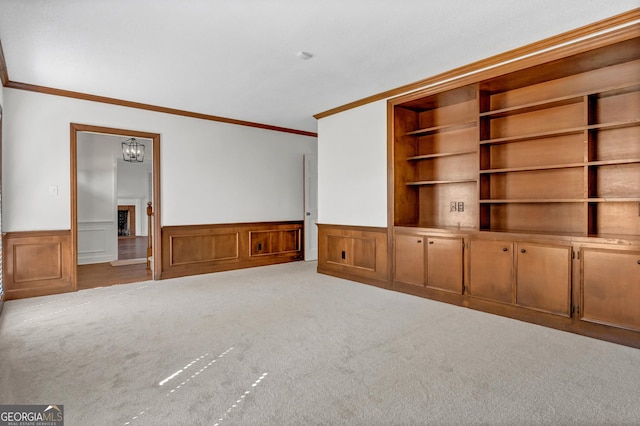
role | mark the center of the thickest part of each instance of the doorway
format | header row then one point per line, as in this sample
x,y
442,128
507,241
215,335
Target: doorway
x,y
310,207
101,256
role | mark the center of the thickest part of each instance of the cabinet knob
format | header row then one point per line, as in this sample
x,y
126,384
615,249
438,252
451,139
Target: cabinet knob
x,y
523,251
638,262
419,241
505,249
430,242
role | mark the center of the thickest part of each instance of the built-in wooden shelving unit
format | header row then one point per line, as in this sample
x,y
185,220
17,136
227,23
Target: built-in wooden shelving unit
x,y
519,193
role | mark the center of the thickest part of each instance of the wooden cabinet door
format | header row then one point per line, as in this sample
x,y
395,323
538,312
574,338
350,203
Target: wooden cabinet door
x,y
491,270
543,277
611,287
409,259
444,264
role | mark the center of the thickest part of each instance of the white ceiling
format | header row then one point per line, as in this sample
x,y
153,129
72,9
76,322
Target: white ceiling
x,y
237,58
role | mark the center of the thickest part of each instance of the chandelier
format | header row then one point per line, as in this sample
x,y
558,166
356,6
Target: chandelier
x,y
132,151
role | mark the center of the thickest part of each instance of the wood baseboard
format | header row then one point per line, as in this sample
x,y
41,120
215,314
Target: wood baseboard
x,y
36,263
352,277
201,249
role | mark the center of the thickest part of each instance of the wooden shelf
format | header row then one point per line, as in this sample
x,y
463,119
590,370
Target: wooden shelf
x,y
533,136
617,90
562,100
440,129
614,125
562,132
613,162
532,168
614,200
535,201
562,200
533,106
439,155
439,182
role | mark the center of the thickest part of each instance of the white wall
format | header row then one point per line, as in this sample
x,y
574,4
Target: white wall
x,y
211,172
97,196
352,166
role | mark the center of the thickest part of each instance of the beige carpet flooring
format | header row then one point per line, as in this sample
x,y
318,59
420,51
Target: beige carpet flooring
x,y
282,345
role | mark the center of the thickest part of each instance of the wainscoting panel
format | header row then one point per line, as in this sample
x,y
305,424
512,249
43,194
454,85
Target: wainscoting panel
x,y
354,252
37,263
275,242
201,249
97,242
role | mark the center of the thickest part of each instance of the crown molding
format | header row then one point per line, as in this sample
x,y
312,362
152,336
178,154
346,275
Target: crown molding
x,y
623,20
6,82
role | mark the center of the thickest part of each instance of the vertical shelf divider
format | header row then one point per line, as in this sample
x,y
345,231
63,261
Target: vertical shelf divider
x,y
484,160
587,225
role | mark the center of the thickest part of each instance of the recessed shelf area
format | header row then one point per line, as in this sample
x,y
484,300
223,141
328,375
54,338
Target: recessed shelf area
x,y
557,154
563,100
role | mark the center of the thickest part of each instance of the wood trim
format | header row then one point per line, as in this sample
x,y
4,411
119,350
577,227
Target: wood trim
x,y
131,220
352,228
37,263
138,105
523,57
201,249
157,213
4,73
357,253
6,82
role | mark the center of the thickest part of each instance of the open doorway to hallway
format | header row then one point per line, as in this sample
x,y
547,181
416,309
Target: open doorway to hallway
x,y
112,233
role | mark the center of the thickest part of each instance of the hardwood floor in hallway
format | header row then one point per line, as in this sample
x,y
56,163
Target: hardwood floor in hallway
x,y
103,274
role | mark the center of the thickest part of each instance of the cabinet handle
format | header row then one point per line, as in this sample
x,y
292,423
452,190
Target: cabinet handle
x,y
505,249
419,241
430,242
638,262
523,251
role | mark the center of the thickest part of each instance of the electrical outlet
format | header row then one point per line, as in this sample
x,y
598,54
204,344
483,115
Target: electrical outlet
x,y
460,206
453,206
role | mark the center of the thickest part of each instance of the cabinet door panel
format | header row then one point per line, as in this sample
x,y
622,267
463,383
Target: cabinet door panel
x,y
409,259
611,287
491,270
364,253
337,248
543,277
444,264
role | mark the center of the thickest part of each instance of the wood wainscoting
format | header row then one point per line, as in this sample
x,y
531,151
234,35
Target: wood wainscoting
x,y
355,253
37,263
202,249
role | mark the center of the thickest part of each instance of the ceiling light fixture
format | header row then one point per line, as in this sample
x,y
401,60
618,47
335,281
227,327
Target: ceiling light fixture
x,y
304,55
132,151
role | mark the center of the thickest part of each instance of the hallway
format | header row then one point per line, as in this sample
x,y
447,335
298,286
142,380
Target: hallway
x,y
104,274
